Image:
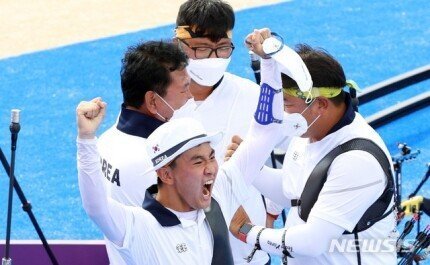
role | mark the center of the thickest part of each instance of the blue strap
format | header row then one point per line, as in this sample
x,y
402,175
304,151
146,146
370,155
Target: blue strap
x,y
264,113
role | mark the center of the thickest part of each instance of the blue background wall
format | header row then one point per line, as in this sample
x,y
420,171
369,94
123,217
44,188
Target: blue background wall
x,y
373,40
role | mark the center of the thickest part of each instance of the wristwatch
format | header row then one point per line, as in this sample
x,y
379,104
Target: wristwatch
x,y
273,44
244,230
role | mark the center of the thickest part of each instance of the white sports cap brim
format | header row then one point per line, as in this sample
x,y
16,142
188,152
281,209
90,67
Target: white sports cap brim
x,y
174,138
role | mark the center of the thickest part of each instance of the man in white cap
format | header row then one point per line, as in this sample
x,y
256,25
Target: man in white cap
x,y
171,227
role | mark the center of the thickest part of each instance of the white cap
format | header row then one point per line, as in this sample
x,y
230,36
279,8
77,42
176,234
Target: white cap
x,y
175,137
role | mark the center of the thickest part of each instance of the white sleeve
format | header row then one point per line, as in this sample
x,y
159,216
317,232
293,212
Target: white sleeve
x,y
237,174
310,239
273,208
230,190
109,215
269,183
282,146
253,152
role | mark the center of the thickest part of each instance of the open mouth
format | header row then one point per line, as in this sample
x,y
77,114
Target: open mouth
x,y
207,188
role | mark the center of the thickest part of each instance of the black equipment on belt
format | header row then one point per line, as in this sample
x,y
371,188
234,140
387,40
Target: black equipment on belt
x,y
318,177
376,212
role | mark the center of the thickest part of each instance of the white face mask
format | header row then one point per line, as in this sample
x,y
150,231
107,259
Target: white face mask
x,y
207,72
186,110
296,124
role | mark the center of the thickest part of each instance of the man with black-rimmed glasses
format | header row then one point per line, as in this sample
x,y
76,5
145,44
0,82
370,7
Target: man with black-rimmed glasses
x,y
226,102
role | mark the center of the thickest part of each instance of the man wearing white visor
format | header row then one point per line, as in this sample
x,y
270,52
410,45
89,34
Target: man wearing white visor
x,y
171,227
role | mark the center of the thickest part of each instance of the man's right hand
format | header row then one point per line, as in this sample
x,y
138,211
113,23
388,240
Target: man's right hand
x,y
254,41
89,115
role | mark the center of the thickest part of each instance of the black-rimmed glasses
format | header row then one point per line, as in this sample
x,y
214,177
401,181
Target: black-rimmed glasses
x,y
206,52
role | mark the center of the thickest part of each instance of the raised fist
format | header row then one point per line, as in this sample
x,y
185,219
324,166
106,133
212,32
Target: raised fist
x,y
254,41
89,115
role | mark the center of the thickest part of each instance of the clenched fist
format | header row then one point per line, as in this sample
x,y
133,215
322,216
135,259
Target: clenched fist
x,y
254,41
232,147
89,115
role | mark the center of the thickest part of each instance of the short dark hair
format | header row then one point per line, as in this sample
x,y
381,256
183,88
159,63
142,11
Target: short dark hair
x,y
324,69
211,18
146,67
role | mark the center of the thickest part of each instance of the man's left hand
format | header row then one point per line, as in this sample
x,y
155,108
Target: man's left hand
x,y
232,147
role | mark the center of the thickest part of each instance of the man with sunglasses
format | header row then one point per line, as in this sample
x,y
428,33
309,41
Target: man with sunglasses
x,y
225,102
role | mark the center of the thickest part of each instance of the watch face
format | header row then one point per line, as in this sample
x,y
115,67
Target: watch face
x,y
271,45
245,228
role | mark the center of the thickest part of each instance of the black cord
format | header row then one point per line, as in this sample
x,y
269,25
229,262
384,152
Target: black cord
x,y
285,253
256,246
